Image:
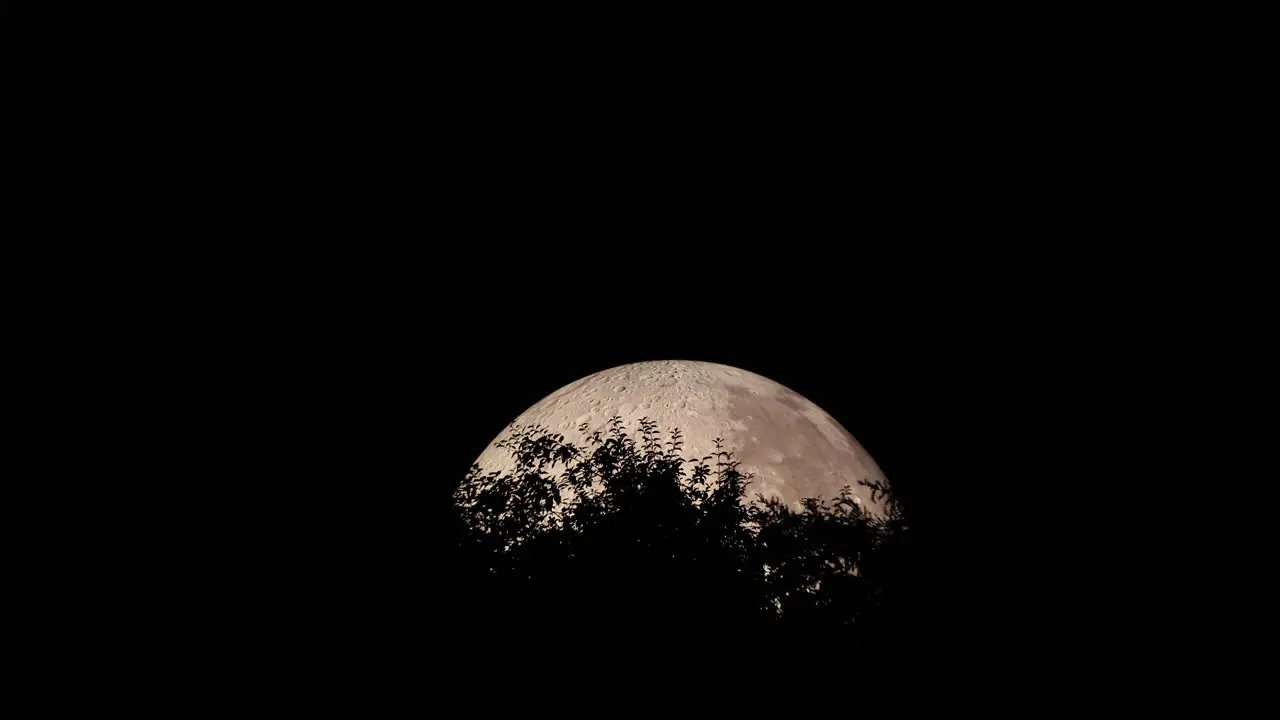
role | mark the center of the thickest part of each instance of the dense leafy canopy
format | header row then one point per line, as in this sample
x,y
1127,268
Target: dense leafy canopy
x,y
625,534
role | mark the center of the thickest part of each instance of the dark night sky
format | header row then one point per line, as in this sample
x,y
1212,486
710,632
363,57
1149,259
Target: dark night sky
x,y
382,237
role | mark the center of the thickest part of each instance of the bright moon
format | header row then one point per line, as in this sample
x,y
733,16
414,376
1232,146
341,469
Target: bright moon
x,y
792,447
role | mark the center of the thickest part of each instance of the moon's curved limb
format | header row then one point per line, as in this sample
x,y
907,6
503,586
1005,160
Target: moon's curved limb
x,y
792,447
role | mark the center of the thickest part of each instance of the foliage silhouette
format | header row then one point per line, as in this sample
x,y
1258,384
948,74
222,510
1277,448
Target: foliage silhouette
x,y
625,535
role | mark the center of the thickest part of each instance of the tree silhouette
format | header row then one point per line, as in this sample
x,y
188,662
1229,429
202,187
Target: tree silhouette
x,y
627,535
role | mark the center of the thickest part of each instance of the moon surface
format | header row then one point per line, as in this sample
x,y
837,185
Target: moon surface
x,y
792,447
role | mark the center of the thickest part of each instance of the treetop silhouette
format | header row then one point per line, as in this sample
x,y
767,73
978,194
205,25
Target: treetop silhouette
x,y
625,532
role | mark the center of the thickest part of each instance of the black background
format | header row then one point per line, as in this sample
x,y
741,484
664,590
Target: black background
x,y
343,249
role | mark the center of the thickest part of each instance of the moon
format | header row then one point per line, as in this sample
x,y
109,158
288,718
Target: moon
x,y
791,446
